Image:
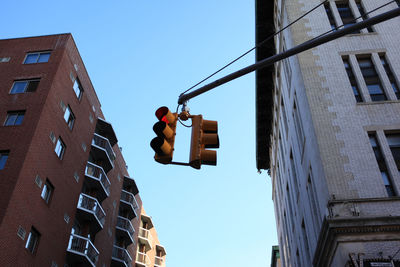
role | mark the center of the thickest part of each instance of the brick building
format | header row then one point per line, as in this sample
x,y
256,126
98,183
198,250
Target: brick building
x,y
328,131
66,198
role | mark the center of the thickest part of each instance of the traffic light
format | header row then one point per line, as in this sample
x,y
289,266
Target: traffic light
x,y
165,129
204,135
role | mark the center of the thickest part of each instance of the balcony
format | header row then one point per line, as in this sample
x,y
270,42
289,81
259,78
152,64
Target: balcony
x,y
145,238
142,259
102,152
81,251
158,261
97,179
89,209
128,203
131,184
120,257
125,230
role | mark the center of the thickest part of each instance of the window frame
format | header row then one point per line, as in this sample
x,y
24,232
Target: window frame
x,y
32,246
39,53
4,154
18,114
26,87
60,148
79,86
381,161
369,79
71,117
47,191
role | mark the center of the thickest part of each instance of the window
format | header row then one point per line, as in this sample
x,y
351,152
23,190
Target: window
x,y
382,165
78,89
32,241
38,57
60,148
328,11
69,117
352,79
25,86
14,118
47,191
3,158
371,78
363,14
346,14
298,127
393,140
390,75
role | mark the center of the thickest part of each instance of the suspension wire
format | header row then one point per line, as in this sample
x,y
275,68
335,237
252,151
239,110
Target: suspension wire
x,y
271,36
354,20
395,254
257,45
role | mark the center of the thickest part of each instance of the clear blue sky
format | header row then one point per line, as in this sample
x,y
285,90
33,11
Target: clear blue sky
x,y
141,55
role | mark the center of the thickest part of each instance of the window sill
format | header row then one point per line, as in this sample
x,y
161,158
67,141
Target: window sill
x,y
378,102
361,34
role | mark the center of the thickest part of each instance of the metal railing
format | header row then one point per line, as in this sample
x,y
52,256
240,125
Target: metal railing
x,y
103,142
158,261
96,172
125,224
83,246
130,198
142,258
90,204
121,254
144,233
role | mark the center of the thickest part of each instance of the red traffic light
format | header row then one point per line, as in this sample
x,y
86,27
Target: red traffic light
x,y
165,129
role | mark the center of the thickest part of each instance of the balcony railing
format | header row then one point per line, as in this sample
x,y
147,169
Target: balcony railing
x,y
142,258
121,255
158,261
91,205
128,198
97,173
102,150
82,246
125,225
145,235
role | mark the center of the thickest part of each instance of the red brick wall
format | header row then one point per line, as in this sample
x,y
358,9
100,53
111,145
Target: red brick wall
x,y
32,153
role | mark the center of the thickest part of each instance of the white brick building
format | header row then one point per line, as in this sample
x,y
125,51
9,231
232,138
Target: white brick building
x,y
328,131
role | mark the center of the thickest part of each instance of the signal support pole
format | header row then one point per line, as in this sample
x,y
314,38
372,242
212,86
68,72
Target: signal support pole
x,y
293,51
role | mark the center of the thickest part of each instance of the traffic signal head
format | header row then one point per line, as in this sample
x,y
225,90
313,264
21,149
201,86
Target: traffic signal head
x,y
165,129
204,135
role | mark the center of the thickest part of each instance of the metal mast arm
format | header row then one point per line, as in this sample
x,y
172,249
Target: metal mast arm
x,y
293,51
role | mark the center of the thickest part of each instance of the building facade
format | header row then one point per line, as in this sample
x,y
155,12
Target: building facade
x,y
328,127
66,197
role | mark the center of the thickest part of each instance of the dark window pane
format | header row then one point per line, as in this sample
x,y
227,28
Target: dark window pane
x,y
19,119
363,15
10,120
371,78
390,75
78,89
32,86
14,118
346,15
18,87
44,57
330,16
31,58
394,144
3,159
352,80
60,148
32,241
47,191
